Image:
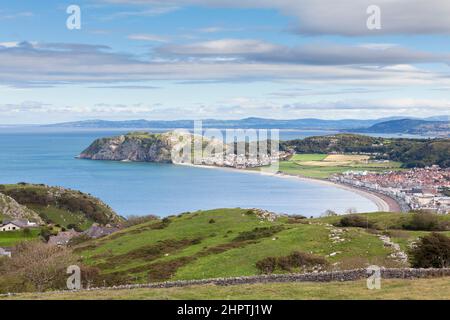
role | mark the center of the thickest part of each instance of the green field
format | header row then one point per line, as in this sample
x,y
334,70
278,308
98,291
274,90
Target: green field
x,y
11,238
190,246
420,289
315,166
62,217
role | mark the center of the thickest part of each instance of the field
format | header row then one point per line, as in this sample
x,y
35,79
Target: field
x,y
323,166
225,243
11,238
390,289
62,217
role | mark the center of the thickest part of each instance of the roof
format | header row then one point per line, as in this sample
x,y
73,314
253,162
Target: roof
x,y
63,237
18,222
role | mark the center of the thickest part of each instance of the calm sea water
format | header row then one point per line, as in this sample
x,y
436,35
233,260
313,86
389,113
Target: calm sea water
x,y
43,156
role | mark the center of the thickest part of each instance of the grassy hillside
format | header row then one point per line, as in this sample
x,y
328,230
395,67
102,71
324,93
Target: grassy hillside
x,y
420,289
411,152
61,206
230,242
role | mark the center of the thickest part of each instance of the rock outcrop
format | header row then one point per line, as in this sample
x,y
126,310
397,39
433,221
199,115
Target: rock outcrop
x,y
135,146
11,209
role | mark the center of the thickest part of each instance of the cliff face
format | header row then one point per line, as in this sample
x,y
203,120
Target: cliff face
x,y
12,210
144,147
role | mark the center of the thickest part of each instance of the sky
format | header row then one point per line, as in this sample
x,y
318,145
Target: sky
x,y
224,59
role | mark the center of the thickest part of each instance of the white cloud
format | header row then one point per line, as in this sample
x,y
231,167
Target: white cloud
x,y
148,37
220,47
343,17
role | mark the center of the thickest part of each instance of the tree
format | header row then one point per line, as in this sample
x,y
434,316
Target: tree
x,y
329,213
432,251
41,265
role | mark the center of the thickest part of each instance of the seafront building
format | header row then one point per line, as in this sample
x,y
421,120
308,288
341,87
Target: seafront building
x,y
418,188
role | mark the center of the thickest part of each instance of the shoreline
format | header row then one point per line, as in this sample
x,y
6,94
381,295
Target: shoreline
x,y
384,203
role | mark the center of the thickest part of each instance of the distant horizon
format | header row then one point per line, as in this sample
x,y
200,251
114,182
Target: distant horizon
x,y
122,59
388,118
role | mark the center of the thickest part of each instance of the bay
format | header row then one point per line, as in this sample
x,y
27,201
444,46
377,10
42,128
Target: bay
x,y
48,156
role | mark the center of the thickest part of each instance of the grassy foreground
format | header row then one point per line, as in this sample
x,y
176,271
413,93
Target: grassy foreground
x,y
230,242
390,289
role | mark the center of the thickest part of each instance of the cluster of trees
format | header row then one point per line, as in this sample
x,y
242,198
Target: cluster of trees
x,y
411,152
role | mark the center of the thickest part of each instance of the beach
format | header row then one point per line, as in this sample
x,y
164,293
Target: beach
x,y
383,202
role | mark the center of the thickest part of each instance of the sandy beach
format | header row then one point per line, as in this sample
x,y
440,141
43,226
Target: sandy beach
x,y
383,202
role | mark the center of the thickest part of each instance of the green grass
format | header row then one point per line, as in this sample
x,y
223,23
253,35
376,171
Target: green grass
x,y
300,164
193,248
308,157
11,238
62,217
420,289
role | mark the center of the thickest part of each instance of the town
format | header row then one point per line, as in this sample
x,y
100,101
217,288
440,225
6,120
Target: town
x,y
415,189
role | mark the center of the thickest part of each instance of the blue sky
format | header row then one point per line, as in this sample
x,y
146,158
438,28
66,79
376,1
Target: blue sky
x,y
196,59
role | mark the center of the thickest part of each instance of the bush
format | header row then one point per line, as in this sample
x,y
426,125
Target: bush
x,y
78,240
296,259
267,265
46,232
354,221
258,233
432,251
425,221
212,221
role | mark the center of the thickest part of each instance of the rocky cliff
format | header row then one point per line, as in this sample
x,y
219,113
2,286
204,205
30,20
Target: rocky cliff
x,y
11,209
138,146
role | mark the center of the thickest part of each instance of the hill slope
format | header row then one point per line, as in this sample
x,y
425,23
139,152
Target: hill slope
x,y
409,126
60,205
230,242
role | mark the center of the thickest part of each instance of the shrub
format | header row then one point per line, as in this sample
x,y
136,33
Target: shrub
x,y
432,251
78,240
354,221
258,233
300,259
267,265
74,227
296,259
424,221
45,233
26,232
212,221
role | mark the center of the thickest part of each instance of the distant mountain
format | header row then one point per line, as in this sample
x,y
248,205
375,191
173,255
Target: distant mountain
x,y
248,123
408,126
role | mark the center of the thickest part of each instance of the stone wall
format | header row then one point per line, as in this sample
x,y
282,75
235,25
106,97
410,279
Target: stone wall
x,y
348,275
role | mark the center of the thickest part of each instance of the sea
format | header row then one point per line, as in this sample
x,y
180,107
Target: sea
x,y
48,155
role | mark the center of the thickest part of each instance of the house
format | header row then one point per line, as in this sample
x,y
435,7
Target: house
x,y
10,226
63,238
17,225
5,253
